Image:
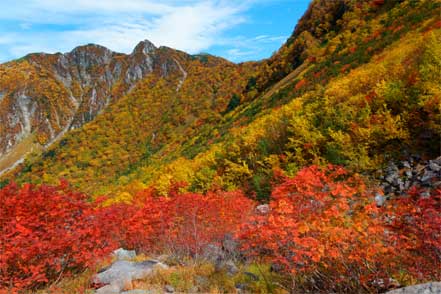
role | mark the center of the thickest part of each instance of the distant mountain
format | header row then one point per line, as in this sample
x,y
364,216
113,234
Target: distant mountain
x,y
45,95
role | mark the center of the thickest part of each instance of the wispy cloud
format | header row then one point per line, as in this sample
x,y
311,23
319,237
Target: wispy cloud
x,y
248,48
118,24
190,25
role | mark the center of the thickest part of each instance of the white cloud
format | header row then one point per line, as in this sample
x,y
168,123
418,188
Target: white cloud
x,y
249,48
60,25
190,25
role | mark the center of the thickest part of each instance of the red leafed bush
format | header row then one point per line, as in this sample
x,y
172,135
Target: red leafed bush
x,y
47,231
415,225
186,223
321,225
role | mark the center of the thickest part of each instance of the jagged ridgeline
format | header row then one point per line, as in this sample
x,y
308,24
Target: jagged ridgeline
x,y
144,98
356,84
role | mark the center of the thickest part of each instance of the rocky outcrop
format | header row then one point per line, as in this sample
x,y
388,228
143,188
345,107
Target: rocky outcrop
x,y
118,277
121,274
428,288
398,177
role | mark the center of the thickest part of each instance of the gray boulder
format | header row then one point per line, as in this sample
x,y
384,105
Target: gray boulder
x,y
434,166
380,199
428,288
230,245
109,289
120,274
122,254
213,253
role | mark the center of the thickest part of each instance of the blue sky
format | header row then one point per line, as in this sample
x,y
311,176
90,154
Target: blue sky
x,y
237,30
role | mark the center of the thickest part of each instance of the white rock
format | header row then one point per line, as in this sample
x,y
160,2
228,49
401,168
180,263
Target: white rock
x,y
122,254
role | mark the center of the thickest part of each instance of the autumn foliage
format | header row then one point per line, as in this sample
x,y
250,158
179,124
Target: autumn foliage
x,y
322,229
47,231
415,226
319,220
325,231
186,223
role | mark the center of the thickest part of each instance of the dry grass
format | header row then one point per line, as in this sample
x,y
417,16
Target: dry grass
x,y
76,284
192,277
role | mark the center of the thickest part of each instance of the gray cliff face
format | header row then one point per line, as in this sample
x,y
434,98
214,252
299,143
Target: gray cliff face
x,y
88,79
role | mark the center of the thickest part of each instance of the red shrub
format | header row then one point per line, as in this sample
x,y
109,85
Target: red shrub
x,y
323,227
320,221
186,223
47,231
415,225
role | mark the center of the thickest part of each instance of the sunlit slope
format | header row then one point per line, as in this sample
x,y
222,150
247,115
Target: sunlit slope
x,y
359,89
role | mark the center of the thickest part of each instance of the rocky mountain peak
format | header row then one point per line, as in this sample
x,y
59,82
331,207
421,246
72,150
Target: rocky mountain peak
x,y
90,54
146,47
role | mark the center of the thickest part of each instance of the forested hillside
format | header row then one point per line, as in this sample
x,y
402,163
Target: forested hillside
x,y
336,137
359,89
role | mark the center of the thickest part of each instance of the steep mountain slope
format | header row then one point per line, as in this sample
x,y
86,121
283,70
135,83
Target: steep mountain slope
x,y
43,95
169,95
354,85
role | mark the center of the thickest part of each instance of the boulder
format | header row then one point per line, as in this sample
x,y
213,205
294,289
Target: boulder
x,y
380,199
263,208
230,245
434,166
122,254
120,274
427,288
213,253
109,289
413,172
169,289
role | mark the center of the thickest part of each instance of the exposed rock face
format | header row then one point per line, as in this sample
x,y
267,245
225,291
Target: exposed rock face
x,y
48,94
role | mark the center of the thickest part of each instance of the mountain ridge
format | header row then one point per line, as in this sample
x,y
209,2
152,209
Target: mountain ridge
x,y
89,77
